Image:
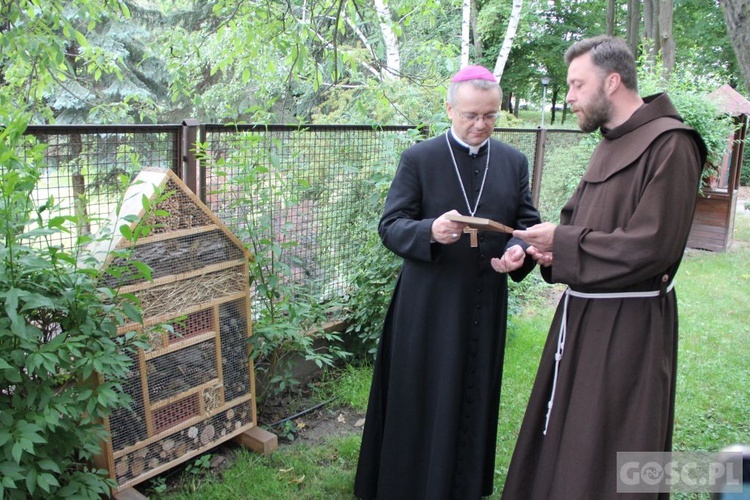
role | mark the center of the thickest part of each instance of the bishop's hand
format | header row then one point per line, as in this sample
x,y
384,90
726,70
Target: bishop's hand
x,y
511,260
446,231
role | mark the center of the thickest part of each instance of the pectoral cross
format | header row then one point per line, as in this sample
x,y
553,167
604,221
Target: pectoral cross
x,y
473,232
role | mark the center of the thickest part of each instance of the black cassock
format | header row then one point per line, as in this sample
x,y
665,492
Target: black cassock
x,y
432,416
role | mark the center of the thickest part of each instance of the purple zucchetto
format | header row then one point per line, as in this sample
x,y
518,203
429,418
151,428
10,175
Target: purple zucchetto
x,y
473,73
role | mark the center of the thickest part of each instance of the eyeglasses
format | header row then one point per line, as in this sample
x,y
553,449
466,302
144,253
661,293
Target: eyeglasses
x,y
472,117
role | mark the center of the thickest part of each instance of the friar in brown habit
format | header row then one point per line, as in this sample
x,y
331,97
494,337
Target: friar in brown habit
x,y
606,380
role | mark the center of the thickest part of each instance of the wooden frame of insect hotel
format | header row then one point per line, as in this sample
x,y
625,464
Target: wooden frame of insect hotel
x,y
194,386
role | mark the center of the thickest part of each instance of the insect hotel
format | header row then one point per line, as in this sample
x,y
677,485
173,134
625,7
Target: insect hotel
x,y
193,386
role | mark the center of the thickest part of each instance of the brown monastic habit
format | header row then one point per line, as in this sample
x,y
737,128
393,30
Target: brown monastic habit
x,y
623,230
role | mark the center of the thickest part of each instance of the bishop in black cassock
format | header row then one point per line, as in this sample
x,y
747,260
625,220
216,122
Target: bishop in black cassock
x,y
432,418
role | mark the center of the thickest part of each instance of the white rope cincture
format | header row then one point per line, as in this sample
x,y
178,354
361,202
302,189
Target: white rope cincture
x,y
563,329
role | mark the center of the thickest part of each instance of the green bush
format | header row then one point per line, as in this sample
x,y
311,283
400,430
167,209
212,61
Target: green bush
x,y
374,269
562,172
688,94
61,358
373,283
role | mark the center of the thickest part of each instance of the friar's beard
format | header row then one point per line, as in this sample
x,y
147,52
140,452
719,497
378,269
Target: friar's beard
x,y
595,114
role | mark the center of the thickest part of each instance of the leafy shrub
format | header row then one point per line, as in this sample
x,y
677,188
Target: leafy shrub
x,y
374,269
61,359
373,283
287,314
714,126
688,92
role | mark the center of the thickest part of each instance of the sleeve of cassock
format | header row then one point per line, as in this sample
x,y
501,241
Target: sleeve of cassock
x,y
526,216
401,227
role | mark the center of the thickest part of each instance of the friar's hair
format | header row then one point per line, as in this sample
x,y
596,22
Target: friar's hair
x,y
612,55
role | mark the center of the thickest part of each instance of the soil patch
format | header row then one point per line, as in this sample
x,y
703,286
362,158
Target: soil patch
x,y
298,418
303,417
319,425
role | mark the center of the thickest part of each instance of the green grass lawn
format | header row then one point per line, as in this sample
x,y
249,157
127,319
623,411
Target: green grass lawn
x,y
712,405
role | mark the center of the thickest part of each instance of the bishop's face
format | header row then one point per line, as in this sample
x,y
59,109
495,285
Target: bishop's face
x,y
473,113
586,94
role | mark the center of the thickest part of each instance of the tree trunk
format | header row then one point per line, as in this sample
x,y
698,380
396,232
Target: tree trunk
x,y
78,185
478,47
666,40
392,55
510,35
634,17
363,38
737,15
611,17
555,95
651,28
465,31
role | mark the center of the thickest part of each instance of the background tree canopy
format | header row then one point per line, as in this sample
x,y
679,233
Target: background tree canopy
x,y
321,61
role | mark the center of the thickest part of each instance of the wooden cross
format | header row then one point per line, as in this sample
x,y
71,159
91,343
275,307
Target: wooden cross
x,y
473,232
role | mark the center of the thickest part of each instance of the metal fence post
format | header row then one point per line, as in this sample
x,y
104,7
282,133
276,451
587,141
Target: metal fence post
x,y
536,172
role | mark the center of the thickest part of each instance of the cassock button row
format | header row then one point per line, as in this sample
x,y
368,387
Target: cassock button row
x,y
476,172
476,322
476,189
479,306
479,290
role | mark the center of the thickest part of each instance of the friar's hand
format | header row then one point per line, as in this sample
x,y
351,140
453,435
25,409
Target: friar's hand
x,y
540,236
541,258
511,260
447,231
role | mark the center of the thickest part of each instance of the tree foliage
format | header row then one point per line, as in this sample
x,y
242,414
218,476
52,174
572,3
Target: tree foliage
x,y
51,61
702,41
737,13
286,62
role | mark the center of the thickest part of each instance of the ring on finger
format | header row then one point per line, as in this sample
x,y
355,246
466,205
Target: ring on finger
x,y
454,236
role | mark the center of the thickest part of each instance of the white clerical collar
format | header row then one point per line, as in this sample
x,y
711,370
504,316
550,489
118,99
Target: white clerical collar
x,y
473,150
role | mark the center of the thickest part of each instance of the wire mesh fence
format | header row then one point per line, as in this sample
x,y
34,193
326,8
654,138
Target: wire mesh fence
x,y
298,195
86,168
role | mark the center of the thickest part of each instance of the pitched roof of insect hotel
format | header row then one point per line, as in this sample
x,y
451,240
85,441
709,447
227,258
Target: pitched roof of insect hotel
x,y
168,206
